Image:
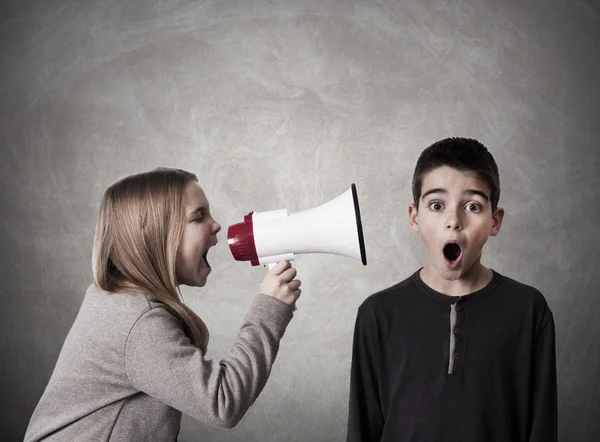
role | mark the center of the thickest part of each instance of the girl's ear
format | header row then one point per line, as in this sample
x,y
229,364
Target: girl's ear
x,y
498,216
413,217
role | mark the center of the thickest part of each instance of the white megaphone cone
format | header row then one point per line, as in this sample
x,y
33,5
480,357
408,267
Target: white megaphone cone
x,y
269,237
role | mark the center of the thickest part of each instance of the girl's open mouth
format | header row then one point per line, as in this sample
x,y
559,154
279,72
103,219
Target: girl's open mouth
x,y
204,257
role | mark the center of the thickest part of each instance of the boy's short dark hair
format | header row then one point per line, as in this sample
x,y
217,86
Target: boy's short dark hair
x,y
464,154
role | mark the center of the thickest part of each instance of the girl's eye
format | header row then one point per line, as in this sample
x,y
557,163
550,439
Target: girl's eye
x,y
435,205
199,219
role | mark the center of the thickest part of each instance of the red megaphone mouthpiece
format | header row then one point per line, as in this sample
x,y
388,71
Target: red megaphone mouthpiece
x,y
240,238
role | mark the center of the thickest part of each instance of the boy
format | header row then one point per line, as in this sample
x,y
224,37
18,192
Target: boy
x,y
456,352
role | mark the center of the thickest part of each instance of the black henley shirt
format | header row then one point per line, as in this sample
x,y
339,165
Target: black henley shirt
x,y
427,367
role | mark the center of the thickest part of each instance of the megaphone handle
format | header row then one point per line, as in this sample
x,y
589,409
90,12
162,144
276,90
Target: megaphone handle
x,y
270,266
275,259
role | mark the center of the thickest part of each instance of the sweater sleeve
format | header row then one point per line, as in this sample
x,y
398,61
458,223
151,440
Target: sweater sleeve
x,y
544,391
162,362
365,419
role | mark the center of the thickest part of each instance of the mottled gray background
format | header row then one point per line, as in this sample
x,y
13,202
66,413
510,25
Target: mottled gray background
x,y
280,104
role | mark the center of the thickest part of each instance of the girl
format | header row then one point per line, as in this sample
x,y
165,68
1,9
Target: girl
x,y
135,357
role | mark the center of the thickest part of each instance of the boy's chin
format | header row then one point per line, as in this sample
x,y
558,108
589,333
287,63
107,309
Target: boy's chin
x,y
462,271
450,275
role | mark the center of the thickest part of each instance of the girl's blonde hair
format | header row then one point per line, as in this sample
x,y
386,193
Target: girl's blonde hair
x,y
140,224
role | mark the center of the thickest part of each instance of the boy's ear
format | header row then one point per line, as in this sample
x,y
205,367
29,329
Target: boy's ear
x,y
497,217
413,217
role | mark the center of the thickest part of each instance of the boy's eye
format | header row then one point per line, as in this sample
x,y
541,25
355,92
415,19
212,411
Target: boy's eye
x,y
435,205
472,207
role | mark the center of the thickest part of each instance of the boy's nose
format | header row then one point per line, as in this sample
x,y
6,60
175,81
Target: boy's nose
x,y
454,223
453,226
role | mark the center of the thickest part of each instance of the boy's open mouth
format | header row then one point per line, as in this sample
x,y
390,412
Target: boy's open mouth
x,y
452,251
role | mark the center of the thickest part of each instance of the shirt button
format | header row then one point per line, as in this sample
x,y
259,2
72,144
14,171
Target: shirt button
x,y
456,330
458,308
455,355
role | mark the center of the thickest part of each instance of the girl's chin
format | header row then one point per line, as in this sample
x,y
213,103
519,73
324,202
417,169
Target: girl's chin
x,y
202,277
199,280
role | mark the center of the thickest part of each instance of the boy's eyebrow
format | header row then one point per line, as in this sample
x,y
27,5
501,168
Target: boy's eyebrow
x,y
438,190
466,192
476,192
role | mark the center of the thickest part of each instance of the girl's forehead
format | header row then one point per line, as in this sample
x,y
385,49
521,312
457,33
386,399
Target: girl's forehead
x,y
194,195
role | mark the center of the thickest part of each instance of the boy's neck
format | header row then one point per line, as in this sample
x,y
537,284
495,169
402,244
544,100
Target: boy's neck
x,y
476,278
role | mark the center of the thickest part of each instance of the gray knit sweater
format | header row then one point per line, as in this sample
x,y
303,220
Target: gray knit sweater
x,y
127,371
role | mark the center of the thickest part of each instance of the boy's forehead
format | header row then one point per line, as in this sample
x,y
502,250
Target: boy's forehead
x,y
449,178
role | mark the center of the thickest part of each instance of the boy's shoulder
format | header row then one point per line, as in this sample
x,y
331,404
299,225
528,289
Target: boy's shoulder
x,y
393,295
528,300
521,293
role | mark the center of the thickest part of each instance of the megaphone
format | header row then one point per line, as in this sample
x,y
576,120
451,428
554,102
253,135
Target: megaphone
x,y
264,238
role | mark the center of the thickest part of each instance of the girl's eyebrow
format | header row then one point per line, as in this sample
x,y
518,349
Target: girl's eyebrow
x,y
197,211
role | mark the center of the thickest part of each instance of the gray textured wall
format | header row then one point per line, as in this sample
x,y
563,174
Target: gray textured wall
x,y
284,104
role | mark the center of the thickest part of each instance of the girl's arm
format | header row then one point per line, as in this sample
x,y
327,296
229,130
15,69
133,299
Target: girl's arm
x,y
162,362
